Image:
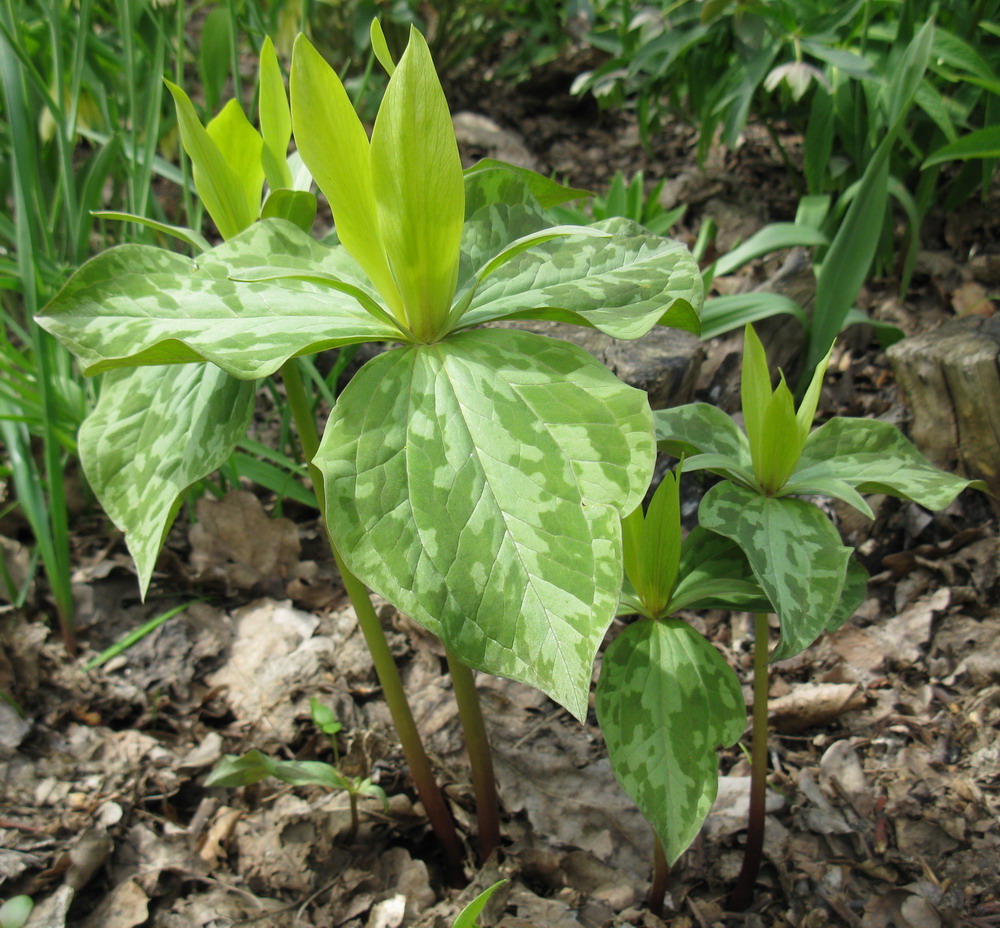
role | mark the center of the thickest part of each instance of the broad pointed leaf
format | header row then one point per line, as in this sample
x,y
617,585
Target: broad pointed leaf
x,y
795,552
478,485
666,700
623,285
698,428
137,305
154,432
875,457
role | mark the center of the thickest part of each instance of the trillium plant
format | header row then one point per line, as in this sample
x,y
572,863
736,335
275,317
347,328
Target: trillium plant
x,y
473,476
665,698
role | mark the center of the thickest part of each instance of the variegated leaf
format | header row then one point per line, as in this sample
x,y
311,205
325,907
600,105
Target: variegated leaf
x,y
622,285
137,305
154,432
490,230
851,596
875,457
715,574
795,552
666,700
698,428
478,485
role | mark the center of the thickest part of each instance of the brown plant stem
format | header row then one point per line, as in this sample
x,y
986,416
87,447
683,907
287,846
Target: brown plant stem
x,y
742,894
385,666
481,760
661,878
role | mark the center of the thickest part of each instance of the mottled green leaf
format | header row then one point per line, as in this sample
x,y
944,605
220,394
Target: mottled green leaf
x,y
491,181
715,574
795,552
875,457
154,432
623,285
137,305
490,230
851,597
478,485
666,700
698,428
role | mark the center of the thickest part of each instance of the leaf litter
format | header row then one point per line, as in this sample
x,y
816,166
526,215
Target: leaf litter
x,y
884,799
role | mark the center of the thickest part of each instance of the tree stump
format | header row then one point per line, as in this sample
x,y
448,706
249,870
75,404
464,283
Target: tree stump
x,y
952,379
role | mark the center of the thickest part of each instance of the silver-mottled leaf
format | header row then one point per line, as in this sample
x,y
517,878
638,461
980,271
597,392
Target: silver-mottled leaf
x,y
478,485
137,305
795,552
666,700
622,285
154,432
875,457
698,428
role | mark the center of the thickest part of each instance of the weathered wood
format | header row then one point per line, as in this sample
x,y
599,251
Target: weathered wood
x,y
951,378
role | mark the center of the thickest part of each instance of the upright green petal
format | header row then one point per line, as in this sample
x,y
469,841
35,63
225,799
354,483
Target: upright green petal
x,y
419,188
275,119
219,186
755,393
334,146
241,146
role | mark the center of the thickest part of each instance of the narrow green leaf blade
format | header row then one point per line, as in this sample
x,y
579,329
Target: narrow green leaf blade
x,y
478,485
467,917
135,305
794,551
875,457
154,432
622,285
666,700
982,143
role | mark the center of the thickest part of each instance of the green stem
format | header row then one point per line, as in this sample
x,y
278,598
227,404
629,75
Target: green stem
x,y
478,746
742,894
661,878
371,628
